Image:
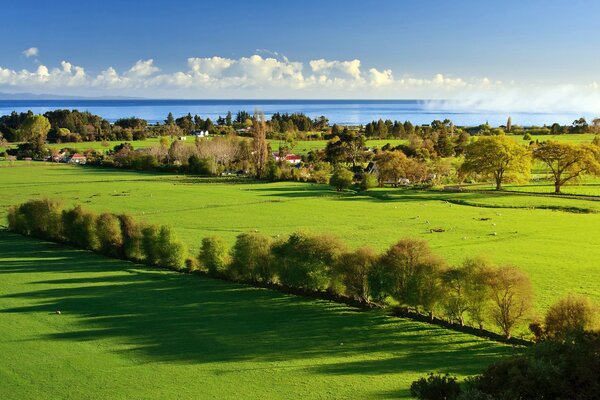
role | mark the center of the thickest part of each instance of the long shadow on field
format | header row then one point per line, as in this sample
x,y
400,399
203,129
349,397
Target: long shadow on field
x,y
167,316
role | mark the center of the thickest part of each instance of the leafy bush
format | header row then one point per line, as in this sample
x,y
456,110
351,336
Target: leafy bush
x,y
151,244
307,261
341,179
132,238
251,258
368,181
435,387
80,228
213,255
110,239
38,218
171,251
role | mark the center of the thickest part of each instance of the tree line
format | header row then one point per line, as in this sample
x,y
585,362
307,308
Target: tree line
x,y
564,363
407,274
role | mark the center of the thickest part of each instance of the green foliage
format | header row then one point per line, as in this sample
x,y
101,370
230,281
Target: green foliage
x,y
355,268
108,231
498,157
80,228
150,244
39,218
251,258
570,316
341,179
306,261
171,251
435,387
132,235
213,255
568,162
368,181
113,235
551,369
409,273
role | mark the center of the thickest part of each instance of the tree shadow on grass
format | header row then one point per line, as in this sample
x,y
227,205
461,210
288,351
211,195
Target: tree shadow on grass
x,y
166,316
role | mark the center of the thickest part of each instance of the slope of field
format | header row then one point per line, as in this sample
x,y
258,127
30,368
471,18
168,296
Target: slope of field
x,y
558,249
127,332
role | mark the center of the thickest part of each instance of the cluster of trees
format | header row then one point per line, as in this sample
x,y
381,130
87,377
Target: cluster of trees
x,y
563,364
73,126
407,274
110,234
503,160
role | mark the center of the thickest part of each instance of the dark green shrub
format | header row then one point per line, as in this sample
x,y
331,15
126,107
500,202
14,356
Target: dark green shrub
x,y
354,269
251,258
213,255
435,387
307,261
368,181
38,218
108,231
132,238
151,245
80,228
341,179
172,252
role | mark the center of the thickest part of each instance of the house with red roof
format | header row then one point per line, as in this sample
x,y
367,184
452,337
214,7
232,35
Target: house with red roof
x,y
290,158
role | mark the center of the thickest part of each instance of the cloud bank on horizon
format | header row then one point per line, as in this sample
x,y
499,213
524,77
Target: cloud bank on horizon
x,y
275,76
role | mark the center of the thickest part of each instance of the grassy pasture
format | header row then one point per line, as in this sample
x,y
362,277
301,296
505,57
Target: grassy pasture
x,y
558,249
128,332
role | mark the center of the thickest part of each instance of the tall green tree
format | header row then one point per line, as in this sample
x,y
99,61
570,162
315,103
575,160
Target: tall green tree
x,y
35,130
567,161
498,157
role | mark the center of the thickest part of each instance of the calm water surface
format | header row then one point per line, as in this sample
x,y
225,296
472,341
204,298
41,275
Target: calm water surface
x,y
352,112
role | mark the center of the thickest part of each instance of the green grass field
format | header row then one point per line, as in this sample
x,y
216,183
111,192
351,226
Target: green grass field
x,y
128,332
558,249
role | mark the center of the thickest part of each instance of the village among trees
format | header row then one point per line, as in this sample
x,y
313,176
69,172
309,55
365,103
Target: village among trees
x,y
247,144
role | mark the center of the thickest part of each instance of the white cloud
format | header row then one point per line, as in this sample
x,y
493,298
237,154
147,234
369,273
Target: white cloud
x,y
31,52
143,68
276,76
383,78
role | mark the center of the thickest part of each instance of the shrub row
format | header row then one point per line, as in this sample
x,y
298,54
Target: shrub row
x,y
110,234
406,275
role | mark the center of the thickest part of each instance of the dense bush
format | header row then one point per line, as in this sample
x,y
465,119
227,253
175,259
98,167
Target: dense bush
x,y
132,238
341,179
548,370
355,268
368,181
113,235
251,258
407,274
213,255
307,261
435,387
110,238
38,218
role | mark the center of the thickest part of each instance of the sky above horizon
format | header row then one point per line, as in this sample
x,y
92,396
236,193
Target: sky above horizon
x,y
480,53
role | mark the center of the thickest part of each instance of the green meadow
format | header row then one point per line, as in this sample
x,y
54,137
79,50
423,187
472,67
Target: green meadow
x,y
556,240
128,332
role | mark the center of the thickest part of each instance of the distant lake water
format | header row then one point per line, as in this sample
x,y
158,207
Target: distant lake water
x,y
351,112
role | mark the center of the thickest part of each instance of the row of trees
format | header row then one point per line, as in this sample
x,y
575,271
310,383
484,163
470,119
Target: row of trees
x,y
563,364
407,274
110,234
503,160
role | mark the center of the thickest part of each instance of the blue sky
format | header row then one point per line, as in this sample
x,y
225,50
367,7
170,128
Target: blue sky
x,y
432,49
